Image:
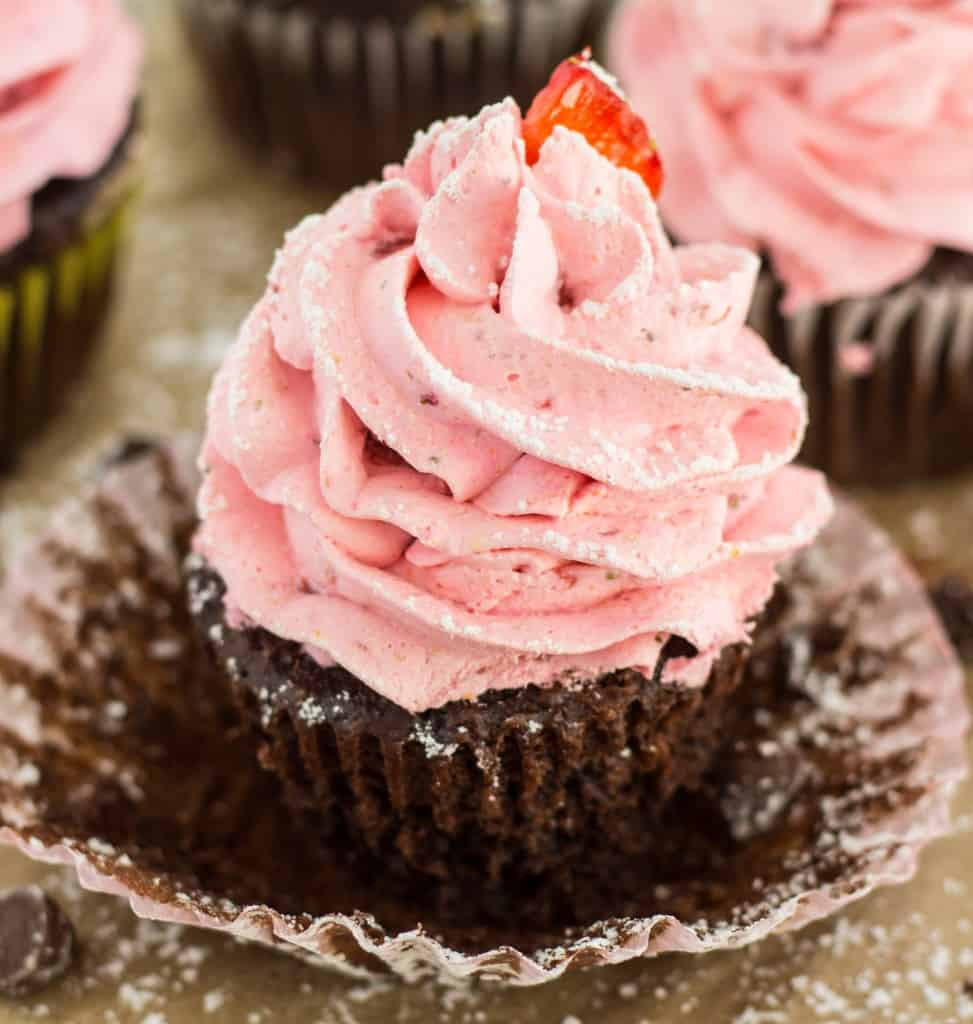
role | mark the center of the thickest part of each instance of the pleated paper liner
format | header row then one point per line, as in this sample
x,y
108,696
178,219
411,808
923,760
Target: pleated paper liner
x,y
334,91
889,378
51,313
117,758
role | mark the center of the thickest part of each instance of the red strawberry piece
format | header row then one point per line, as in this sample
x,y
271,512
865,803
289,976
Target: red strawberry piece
x,y
582,96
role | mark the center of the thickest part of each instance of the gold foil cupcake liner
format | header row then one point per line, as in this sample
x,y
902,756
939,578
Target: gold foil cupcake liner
x,y
118,759
50,316
336,94
889,378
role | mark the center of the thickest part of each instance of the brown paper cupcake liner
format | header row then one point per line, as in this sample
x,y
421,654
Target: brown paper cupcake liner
x,y
116,757
889,378
336,91
512,788
55,291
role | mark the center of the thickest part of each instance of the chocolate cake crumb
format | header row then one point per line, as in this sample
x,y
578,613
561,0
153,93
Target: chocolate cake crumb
x,y
37,941
953,598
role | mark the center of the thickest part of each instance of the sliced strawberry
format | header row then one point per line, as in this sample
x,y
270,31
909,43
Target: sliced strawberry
x,y
581,96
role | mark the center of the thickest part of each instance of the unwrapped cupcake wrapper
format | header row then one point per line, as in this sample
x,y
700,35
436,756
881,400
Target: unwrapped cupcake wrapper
x,y
889,378
335,96
51,313
117,757
515,786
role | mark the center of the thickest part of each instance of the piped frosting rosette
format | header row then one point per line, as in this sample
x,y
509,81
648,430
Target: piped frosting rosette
x,y
833,133
487,428
68,78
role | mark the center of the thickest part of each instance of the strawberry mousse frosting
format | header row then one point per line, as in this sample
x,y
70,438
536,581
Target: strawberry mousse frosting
x,y
68,77
488,428
835,134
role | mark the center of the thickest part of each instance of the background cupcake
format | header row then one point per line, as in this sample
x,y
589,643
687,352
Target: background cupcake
x,y
496,483
68,81
834,137
335,89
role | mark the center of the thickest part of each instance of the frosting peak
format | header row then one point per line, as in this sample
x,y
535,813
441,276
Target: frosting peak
x,y
488,428
68,77
832,133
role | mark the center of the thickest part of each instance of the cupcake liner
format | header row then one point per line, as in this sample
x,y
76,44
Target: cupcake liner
x,y
51,311
335,92
515,785
889,378
839,774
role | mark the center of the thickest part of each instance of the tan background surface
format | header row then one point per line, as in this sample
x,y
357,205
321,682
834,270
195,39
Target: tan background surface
x,y
205,234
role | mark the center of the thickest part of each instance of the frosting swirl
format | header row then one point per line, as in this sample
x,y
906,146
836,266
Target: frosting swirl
x,y
487,428
832,133
68,77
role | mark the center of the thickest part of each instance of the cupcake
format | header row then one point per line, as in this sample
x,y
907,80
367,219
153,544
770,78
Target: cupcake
x,y
334,90
496,485
68,128
833,137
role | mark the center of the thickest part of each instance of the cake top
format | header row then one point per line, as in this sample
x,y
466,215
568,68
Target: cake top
x,y
833,134
488,428
68,78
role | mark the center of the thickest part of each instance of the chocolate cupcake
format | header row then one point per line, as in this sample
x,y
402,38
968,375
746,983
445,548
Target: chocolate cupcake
x,y
334,90
834,140
496,484
68,142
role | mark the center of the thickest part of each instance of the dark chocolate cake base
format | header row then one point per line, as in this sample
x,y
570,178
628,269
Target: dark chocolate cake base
x,y
889,377
118,756
516,784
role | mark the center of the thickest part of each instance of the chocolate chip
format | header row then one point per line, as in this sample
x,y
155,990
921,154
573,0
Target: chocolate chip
x,y
953,598
37,941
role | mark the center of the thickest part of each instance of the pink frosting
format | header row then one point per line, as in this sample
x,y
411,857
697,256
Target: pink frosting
x,y
488,428
833,133
68,78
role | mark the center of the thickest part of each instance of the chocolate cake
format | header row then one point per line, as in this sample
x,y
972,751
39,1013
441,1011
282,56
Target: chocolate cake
x,y
514,784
